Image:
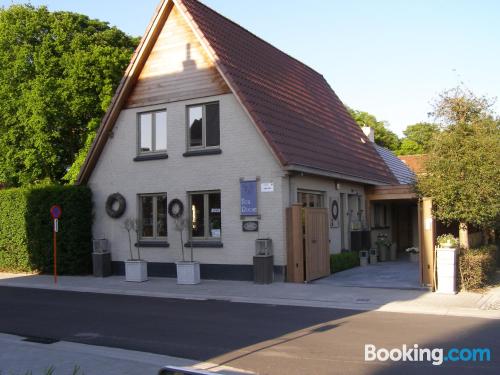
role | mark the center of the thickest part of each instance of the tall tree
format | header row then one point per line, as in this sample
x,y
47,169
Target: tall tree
x,y
417,138
383,136
463,168
58,73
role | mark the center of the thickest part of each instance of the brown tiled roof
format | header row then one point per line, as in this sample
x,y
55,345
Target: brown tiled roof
x,y
415,162
299,115
295,109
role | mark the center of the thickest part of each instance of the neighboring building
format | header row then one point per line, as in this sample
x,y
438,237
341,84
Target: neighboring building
x,y
238,131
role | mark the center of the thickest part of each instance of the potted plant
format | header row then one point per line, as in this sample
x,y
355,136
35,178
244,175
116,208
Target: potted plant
x,y
414,254
188,272
447,241
136,269
383,246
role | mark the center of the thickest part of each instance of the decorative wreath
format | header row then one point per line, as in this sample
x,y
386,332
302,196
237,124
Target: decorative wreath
x,y
335,210
176,208
116,205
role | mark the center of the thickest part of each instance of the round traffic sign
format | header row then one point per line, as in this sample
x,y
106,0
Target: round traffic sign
x,y
55,211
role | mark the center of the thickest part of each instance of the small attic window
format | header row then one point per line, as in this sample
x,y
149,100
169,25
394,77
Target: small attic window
x,y
152,132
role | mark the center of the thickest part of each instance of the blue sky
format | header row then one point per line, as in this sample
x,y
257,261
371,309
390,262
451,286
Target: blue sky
x,y
390,58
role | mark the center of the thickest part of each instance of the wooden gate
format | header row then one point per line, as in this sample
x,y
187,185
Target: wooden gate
x,y
308,256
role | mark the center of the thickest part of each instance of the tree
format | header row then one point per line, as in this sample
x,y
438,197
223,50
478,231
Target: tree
x,y
417,138
383,136
463,168
59,71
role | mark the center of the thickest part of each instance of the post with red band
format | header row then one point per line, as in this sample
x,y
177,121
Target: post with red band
x,y
55,212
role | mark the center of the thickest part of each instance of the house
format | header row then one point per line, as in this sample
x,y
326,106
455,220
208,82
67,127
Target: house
x,y
244,136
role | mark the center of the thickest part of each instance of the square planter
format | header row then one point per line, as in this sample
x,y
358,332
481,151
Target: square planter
x,y
136,270
373,256
188,273
414,257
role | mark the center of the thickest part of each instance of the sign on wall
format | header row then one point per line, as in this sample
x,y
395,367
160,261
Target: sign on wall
x,y
248,200
267,187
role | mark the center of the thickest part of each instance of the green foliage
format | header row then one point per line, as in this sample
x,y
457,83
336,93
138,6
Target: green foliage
x,y
417,138
383,136
26,229
477,267
447,240
463,168
343,261
59,71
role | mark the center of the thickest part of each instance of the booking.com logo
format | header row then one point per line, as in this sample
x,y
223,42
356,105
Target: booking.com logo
x,y
437,356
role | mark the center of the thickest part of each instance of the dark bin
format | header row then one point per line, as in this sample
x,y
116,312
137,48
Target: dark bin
x,y
263,269
101,264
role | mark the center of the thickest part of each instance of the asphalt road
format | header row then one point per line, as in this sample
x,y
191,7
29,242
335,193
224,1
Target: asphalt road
x,y
265,339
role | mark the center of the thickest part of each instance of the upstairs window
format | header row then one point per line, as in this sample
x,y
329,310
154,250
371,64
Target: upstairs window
x,y
152,132
203,126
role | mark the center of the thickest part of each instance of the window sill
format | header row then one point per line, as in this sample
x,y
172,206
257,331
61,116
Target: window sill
x,y
212,244
210,151
151,157
152,244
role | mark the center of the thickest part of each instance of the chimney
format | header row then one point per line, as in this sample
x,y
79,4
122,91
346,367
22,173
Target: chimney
x,y
369,132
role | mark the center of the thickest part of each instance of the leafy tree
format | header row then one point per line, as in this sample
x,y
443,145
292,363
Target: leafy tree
x,y
463,169
59,71
383,136
417,138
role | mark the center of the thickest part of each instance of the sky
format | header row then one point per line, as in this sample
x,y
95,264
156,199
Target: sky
x,y
390,58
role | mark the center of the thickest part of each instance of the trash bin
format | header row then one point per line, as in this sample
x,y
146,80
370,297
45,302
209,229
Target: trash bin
x,y
446,270
263,261
101,258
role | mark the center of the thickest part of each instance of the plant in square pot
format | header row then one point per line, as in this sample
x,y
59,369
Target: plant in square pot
x,y
414,254
188,271
136,269
383,246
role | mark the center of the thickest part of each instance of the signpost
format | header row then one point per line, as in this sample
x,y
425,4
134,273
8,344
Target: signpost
x,y
248,203
55,212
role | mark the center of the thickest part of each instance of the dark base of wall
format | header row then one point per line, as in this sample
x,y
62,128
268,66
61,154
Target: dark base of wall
x,y
208,271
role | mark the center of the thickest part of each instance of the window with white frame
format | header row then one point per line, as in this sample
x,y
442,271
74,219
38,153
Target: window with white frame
x,y
153,216
311,199
152,132
203,126
205,215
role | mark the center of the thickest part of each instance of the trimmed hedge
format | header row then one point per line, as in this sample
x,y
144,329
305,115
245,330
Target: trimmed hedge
x,y
26,229
477,266
343,261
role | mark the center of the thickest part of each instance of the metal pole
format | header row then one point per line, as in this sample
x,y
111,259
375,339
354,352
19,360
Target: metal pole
x,y
55,251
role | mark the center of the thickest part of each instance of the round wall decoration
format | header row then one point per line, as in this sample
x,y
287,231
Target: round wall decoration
x,y
176,208
116,205
335,209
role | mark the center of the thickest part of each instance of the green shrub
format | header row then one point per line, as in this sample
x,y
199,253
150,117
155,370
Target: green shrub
x,y
343,261
26,229
477,266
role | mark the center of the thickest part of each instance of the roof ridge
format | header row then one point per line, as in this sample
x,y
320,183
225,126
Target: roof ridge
x,y
255,36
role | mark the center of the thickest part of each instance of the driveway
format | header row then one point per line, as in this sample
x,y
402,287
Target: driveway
x,y
394,275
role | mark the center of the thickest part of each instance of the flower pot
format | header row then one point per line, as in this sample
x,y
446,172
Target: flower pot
x,y
414,257
188,273
136,270
373,256
382,251
393,252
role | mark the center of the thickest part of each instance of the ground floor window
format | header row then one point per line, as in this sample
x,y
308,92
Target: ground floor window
x,y
153,216
205,215
311,199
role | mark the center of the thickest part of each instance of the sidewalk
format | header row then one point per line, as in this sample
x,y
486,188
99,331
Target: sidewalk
x,y
313,295
19,357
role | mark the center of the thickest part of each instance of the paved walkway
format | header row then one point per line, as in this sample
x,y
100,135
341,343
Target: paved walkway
x,y
314,294
392,275
19,357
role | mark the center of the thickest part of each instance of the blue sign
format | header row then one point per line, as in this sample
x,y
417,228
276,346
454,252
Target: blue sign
x,y
248,202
